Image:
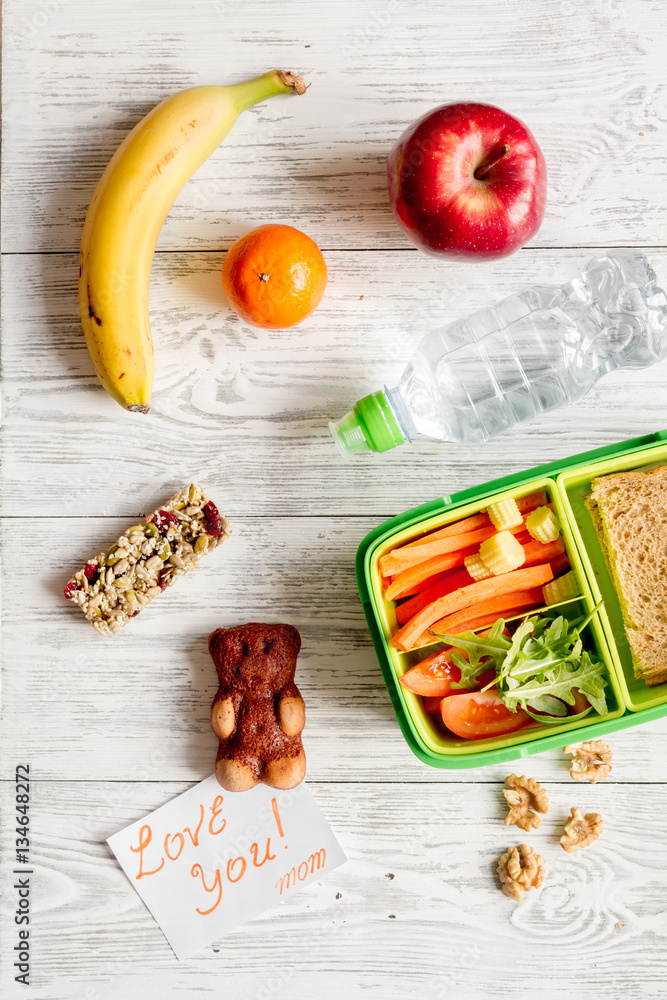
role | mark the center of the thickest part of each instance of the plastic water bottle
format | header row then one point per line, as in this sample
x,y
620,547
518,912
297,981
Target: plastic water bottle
x,y
536,350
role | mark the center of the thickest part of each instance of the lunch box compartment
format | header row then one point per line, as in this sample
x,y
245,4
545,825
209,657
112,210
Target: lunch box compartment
x,y
573,487
566,483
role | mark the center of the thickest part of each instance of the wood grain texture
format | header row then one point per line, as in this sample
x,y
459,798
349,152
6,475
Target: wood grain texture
x,y
137,705
239,408
585,76
113,728
415,911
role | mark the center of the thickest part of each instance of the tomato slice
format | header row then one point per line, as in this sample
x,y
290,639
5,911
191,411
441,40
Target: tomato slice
x,y
432,705
581,702
476,714
433,676
483,679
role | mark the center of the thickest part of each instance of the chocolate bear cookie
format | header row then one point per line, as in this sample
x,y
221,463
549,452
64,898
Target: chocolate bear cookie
x,y
258,713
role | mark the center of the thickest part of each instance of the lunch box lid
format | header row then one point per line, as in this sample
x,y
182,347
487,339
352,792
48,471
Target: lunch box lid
x,y
633,714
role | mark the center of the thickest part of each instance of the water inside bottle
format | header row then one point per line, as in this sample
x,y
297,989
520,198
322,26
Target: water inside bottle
x,y
534,351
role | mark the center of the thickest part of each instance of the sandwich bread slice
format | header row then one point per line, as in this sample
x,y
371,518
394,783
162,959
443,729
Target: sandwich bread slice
x,y
629,511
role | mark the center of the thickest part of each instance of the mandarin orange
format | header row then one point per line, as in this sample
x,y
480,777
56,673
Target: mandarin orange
x,y
274,276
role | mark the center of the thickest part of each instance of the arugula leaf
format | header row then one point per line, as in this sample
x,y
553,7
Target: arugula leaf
x,y
585,675
547,704
483,652
516,653
537,668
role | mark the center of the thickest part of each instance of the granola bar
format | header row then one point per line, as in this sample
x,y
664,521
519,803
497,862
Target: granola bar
x,y
117,584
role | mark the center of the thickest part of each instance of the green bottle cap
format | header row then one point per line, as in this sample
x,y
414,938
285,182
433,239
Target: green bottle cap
x,y
370,426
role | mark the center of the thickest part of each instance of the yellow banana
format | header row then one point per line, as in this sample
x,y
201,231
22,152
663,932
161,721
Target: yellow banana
x,y
128,208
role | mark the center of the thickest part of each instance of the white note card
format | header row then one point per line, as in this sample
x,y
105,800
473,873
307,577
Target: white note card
x,y
210,860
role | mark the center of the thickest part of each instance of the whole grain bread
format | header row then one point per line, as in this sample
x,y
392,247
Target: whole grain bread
x,y
629,511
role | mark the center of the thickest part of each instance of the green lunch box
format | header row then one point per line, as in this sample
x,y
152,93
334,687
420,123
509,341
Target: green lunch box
x,y
566,483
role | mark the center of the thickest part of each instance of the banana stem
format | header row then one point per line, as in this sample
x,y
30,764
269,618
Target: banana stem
x,y
276,81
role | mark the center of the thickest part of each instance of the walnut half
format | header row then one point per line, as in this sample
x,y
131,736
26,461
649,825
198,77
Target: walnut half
x,y
520,872
523,795
580,831
591,761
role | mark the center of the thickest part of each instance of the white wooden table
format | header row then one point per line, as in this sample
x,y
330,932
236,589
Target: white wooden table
x,y
113,728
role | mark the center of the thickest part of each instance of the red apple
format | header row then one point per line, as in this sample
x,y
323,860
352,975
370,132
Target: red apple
x,y
467,180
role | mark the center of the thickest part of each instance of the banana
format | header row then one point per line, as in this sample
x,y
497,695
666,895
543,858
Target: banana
x,y
128,208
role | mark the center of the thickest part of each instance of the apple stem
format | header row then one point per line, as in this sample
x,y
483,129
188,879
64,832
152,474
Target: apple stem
x,y
482,171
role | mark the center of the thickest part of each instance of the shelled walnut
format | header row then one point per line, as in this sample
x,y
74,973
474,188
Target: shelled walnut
x,y
580,830
525,798
520,872
591,761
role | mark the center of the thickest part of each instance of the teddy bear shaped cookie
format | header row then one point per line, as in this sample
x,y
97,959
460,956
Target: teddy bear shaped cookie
x,y
258,712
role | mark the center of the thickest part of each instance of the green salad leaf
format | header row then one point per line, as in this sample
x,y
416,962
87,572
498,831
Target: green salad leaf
x,y
537,668
584,674
483,652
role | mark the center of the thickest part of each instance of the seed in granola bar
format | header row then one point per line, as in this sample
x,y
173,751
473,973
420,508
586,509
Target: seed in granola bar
x,y
212,519
201,544
150,529
153,564
164,551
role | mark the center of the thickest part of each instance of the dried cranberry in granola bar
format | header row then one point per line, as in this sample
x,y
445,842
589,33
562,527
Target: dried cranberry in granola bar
x,y
119,583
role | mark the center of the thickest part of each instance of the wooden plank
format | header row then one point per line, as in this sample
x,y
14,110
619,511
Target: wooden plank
x,y
415,911
113,729
240,408
582,74
80,706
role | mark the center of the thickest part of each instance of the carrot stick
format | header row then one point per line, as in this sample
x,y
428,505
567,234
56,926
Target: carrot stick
x,y
428,582
525,504
457,528
474,593
459,578
541,552
535,552
532,501
486,614
406,582
559,565
399,560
